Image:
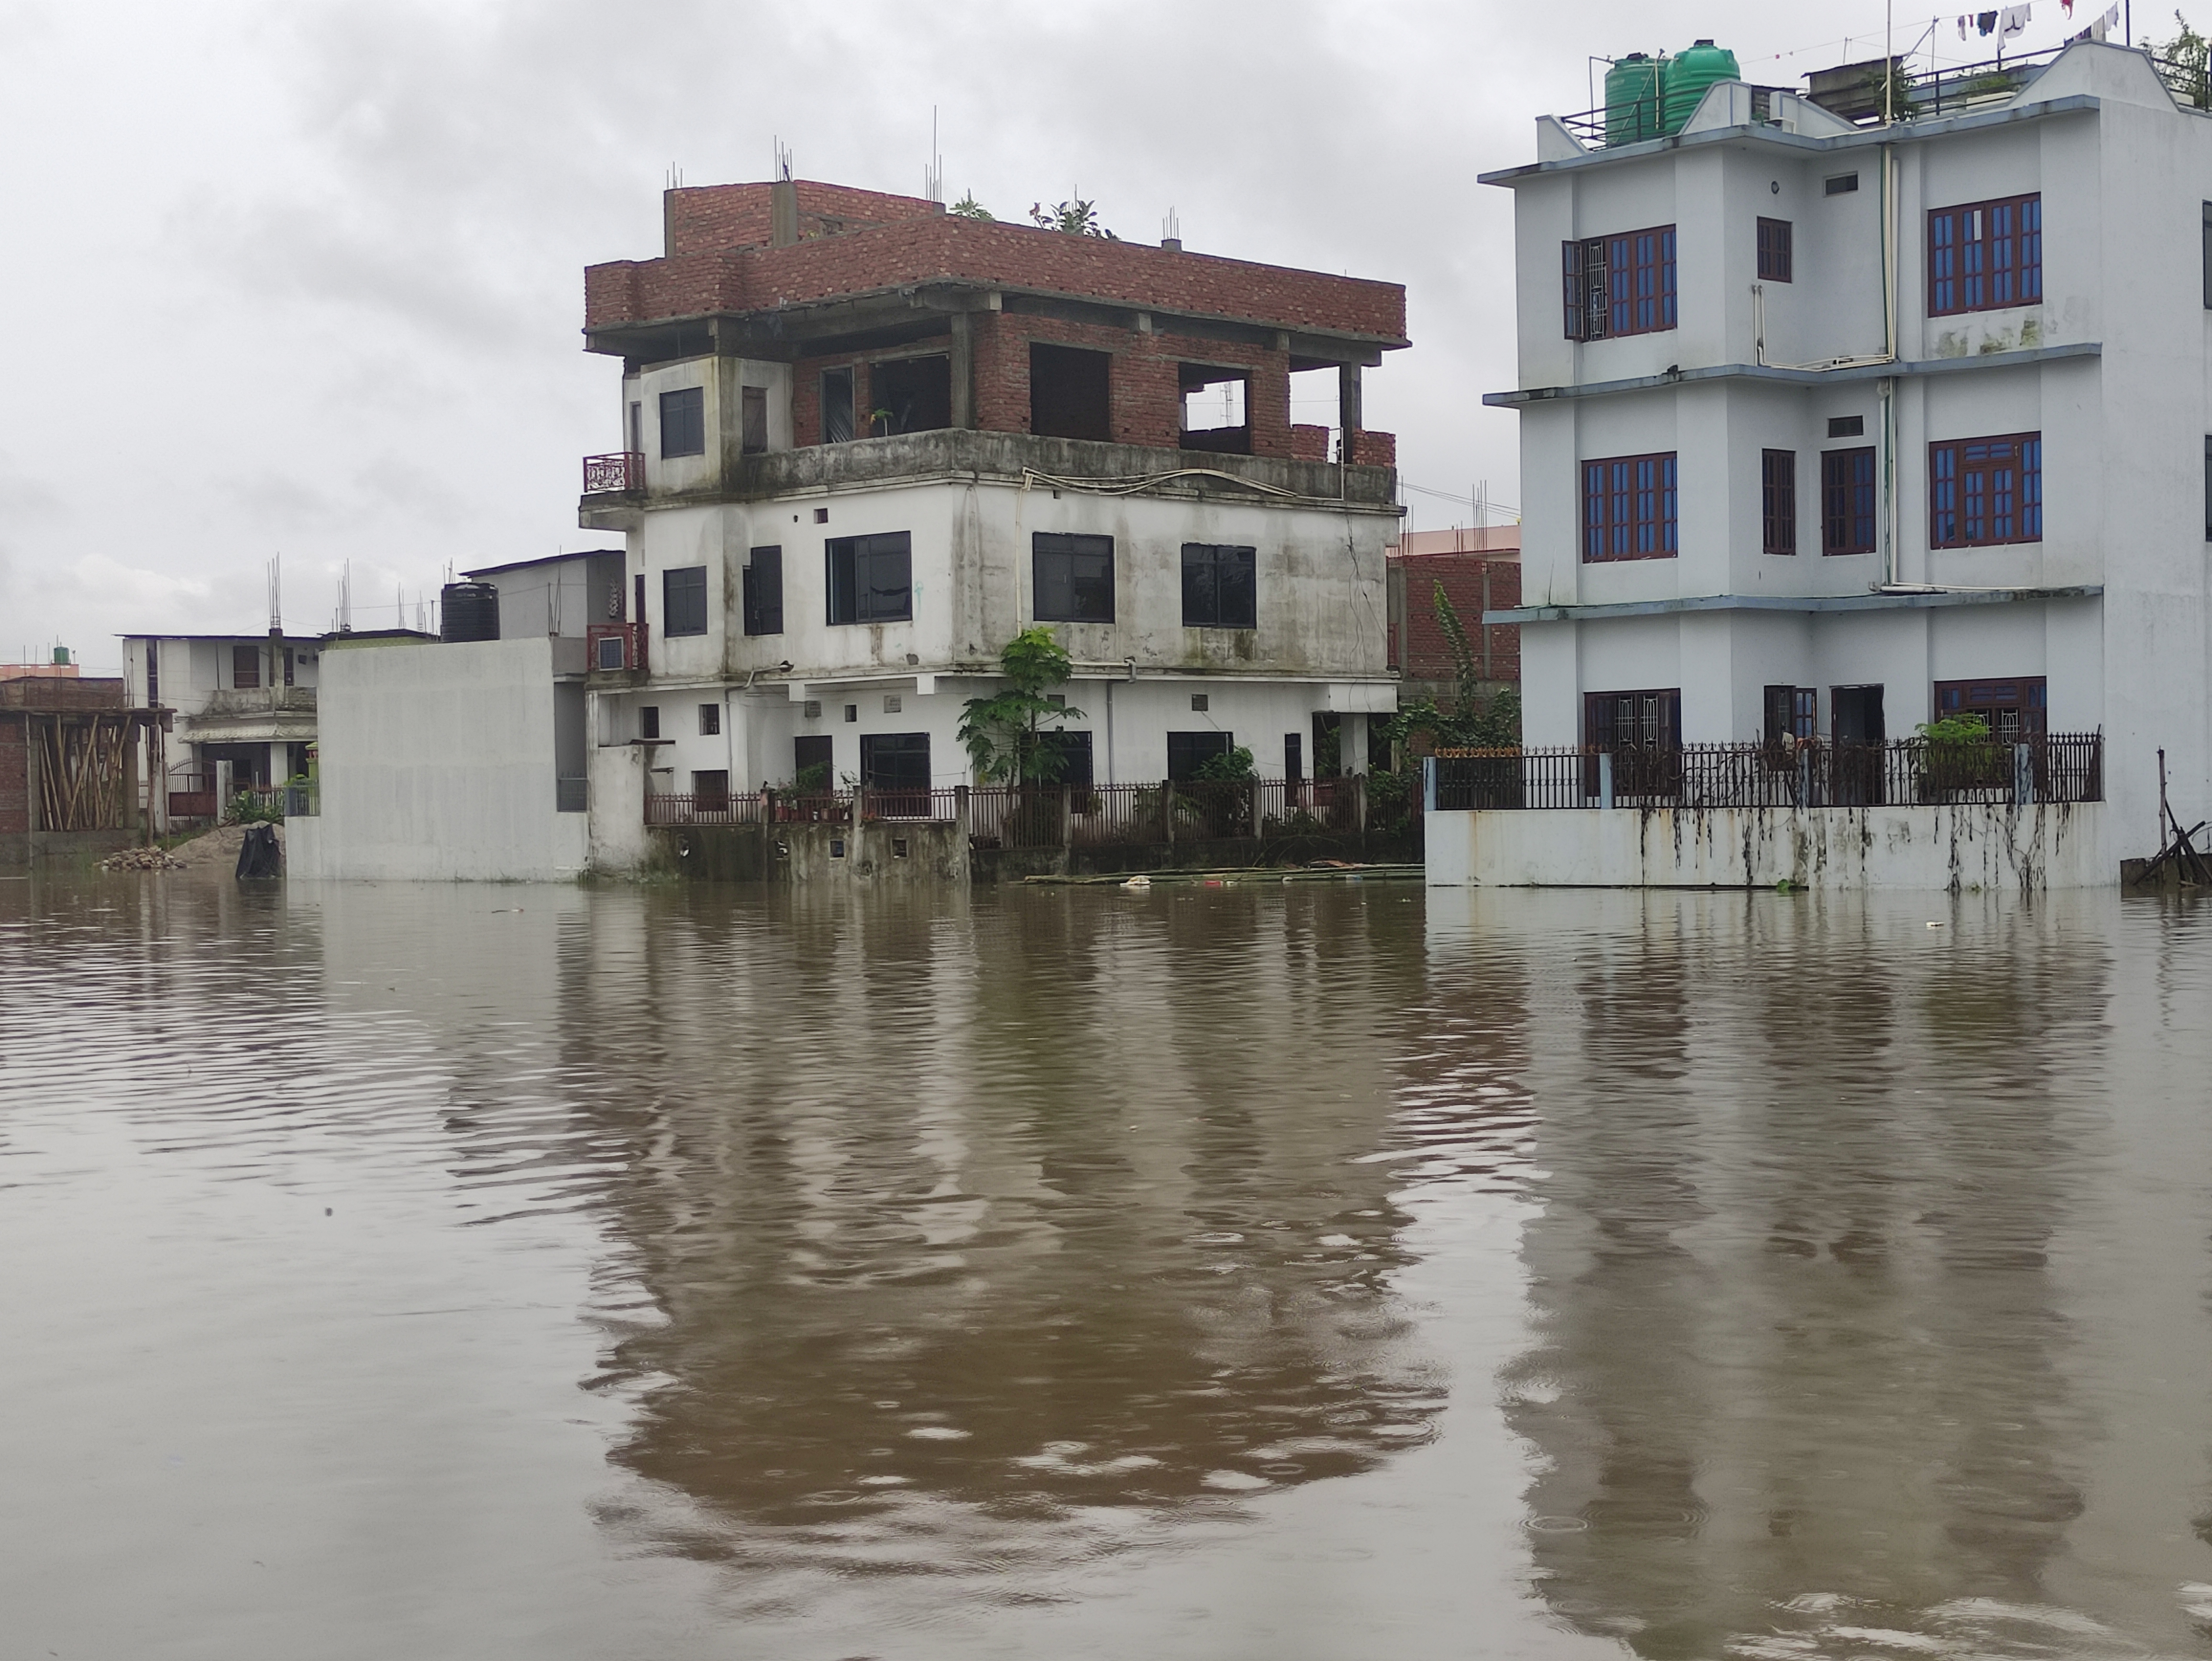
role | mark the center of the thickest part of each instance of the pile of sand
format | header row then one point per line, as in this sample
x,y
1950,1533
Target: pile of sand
x,y
216,849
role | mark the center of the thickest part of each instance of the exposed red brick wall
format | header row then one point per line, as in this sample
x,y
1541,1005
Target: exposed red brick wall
x,y
15,783
1310,443
62,692
1145,385
1372,449
712,218
944,247
1425,654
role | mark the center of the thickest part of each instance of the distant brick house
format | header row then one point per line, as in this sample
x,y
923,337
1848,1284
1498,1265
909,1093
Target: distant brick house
x,y
1480,571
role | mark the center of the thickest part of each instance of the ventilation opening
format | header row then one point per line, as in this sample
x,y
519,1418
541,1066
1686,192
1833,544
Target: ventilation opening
x,y
1215,416
1069,393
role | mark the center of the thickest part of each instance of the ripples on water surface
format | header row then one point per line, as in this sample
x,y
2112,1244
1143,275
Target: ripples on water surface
x,y
1276,1271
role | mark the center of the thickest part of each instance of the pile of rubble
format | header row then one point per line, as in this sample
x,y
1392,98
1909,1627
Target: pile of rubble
x,y
141,859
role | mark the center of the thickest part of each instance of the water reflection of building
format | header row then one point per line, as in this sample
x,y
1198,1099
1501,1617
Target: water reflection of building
x,y
1800,1333
1036,1204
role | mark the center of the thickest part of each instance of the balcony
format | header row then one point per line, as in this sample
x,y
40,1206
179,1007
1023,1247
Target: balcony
x,y
232,701
966,455
622,473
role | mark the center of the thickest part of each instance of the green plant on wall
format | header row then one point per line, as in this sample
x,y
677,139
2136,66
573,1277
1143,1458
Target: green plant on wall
x,y
1075,217
969,208
1009,734
2190,61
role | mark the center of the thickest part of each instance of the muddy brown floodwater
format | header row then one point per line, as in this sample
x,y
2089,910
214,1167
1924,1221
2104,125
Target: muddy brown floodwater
x,y
1282,1271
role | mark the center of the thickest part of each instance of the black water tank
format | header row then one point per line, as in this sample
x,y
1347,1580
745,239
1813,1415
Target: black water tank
x,y
468,611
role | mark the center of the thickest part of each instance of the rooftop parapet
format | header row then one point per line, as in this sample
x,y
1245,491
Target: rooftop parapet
x,y
823,284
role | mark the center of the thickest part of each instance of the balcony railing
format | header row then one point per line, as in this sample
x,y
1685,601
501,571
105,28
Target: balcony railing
x,y
1913,772
608,475
614,647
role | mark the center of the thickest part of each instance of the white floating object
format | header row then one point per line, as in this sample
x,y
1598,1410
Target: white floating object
x,y
1935,925
1139,883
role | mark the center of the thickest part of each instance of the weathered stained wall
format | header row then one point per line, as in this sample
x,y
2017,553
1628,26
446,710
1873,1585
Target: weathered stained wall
x,y
2025,849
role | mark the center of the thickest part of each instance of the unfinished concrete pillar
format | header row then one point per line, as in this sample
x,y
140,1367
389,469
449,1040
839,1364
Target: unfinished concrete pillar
x,y
1349,417
962,370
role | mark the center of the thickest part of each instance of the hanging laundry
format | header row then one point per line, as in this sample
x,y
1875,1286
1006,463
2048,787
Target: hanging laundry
x,y
2012,21
1985,22
2068,6
2103,28
1963,22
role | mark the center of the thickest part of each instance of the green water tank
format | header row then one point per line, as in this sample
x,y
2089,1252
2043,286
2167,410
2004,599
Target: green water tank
x,y
1632,101
1687,77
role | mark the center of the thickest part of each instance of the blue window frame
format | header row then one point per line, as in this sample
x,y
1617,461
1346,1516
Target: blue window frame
x,y
1985,492
1982,256
1629,509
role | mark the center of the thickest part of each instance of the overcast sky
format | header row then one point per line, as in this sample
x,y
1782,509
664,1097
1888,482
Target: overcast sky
x,y
306,279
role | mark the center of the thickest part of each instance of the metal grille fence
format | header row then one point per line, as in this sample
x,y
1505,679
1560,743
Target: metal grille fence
x,y
2055,768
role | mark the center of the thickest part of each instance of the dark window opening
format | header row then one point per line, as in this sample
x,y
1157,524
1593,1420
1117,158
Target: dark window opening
x,y
1619,285
836,406
1846,426
753,414
710,789
246,666
909,395
2208,537
1985,255
1076,760
684,423
1189,751
1220,587
1069,395
1774,251
1842,185
1629,509
1073,578
249,764
1854,714
895,768
1327,744
684,601
1777,500
1792,712
710,720
2208,256
1216,408
154,646
763,591
1985,492
813,760
648,720
870,578
291,665
1847,501
2011,709
1294,756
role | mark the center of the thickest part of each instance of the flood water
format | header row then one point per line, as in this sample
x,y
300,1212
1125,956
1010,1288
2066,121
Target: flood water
x,y
1267,1270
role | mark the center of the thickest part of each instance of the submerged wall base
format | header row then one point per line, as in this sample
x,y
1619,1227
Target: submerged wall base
x,y
2059,845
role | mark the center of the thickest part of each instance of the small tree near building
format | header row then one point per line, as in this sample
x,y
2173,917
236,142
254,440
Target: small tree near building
x,y
1010,734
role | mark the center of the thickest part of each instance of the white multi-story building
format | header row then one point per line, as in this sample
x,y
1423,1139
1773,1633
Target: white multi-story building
x,y
1829,430
245,711
866,443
